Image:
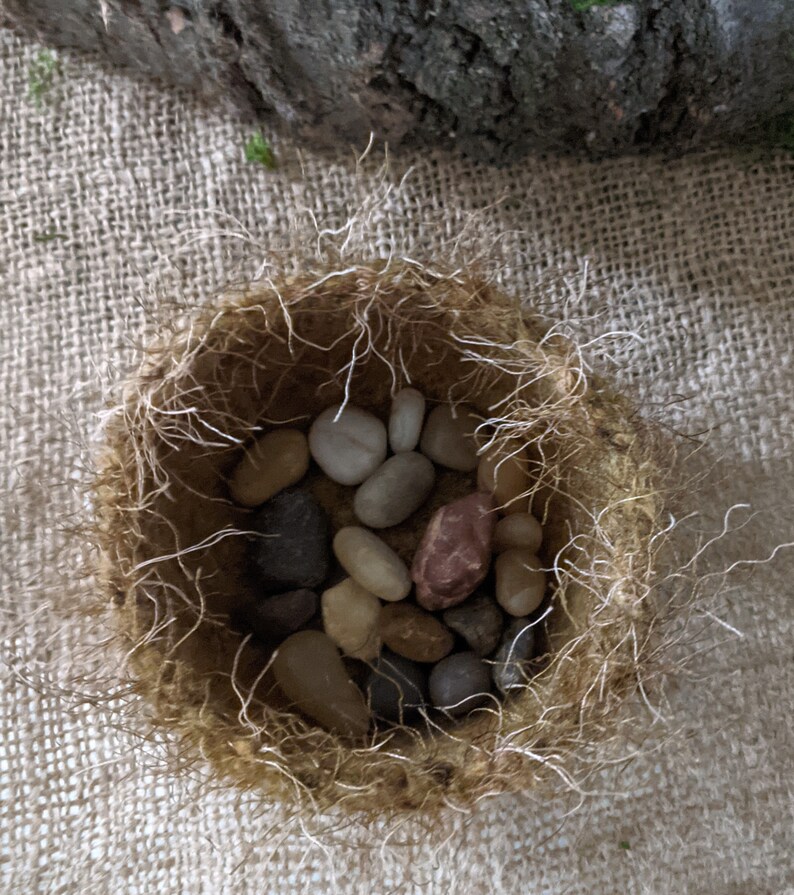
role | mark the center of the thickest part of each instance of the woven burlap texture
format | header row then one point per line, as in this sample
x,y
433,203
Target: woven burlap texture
x,y
111,191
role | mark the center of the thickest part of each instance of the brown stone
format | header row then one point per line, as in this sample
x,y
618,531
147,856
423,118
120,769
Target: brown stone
x,y
449,437
273,462
310,673
455,552
520,582
413,633
517,530
350,618
502,471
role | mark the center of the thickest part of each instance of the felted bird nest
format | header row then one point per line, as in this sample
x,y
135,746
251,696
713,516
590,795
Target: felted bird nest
x,y
172,542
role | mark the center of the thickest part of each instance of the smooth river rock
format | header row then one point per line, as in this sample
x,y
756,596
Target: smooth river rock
x,y
348,449
449,437
310,673
405,420
503,471
413,633
518,530
273,462
509,667
350,617
479,621
520,581
396,688
276,617
292,549
372,563
460,683
455,551
395,490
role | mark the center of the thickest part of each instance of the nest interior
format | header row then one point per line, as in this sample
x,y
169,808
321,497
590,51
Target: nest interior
x,y
172,544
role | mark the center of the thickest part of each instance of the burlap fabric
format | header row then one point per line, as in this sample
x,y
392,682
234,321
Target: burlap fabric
x,y
111,192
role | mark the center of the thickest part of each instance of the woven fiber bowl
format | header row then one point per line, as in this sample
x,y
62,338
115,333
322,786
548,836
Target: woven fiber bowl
x,y
172,544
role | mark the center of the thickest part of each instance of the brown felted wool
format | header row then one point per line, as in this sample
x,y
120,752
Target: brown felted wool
x,y
172,541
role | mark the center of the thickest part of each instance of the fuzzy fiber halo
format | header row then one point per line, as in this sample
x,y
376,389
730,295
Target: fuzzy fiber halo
x,y
171,542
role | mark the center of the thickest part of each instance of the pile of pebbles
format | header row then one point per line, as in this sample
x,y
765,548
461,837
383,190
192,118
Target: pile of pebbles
x,y
359,637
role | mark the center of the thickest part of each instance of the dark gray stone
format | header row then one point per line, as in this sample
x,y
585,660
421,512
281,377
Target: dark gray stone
x,y
396,688
276,617
498,80
479,622
460,683
509,668
293,547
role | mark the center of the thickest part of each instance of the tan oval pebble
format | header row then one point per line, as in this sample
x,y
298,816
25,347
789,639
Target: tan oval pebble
x,y
413,633
310,673
350,618
502,471
274,461
518,530
372,563
349,448
449,437
405,420
395,490
520,582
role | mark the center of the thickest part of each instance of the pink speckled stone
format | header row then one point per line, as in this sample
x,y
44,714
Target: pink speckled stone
x,y
455,552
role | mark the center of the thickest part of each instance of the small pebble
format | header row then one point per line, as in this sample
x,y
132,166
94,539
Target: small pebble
x,y
294,550
518,530
273,462
479,622
276,617
448,437
405,420
520,582
350,618
460,683
350,449
413,633
397,687
310,672
372,563
395,490
518,646
503,472
455,551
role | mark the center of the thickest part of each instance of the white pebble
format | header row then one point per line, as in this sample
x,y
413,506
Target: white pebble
x,y
348,449
405,420
372,563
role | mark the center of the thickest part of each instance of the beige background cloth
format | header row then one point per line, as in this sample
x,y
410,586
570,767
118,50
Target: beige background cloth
x,y
113,192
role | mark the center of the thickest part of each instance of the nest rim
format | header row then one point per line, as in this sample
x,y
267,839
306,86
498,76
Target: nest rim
x,y
597,663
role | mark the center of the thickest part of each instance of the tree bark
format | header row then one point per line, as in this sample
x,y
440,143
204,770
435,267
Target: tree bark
x,y
498,79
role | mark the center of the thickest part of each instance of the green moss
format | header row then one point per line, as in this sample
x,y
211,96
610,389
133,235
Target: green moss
x,y
624,845
583,5
48,236
41,75
258,150
779,132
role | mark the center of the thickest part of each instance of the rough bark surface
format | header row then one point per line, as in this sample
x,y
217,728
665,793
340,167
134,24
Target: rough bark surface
x,y
499,79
